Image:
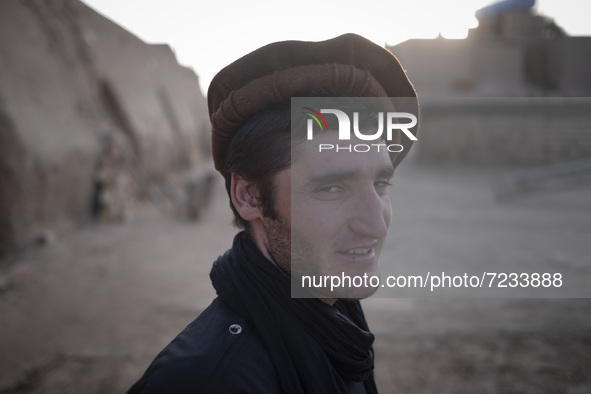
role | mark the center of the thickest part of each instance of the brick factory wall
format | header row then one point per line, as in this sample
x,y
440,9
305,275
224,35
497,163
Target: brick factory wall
x,y
67,76
505,131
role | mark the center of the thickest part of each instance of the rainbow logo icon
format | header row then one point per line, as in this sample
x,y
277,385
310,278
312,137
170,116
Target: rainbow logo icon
x,y
317,117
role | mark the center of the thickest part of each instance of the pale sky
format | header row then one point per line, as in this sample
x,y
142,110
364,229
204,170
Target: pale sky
x,y
208,35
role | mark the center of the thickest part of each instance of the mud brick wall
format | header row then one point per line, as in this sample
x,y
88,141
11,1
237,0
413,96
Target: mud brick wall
x,y
68,76
505,131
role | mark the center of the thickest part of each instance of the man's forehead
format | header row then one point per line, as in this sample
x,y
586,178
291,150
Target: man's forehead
x,y
311,163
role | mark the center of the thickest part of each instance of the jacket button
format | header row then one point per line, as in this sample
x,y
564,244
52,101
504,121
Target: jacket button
x,y
235,329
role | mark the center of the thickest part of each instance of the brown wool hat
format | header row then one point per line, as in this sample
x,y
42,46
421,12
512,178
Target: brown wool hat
x,y
276,72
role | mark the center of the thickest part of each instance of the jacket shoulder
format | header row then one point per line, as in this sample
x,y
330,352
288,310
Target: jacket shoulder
x,y
219,352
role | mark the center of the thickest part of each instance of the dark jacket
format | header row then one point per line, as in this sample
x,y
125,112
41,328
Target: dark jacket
x,y
212,355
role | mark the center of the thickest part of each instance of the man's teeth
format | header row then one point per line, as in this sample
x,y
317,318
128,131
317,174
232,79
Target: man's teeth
x,y
357,251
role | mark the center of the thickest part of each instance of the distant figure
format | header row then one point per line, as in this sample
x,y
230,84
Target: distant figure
x,y
326,211
115,191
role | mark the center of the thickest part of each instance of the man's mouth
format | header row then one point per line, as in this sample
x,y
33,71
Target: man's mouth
x,y
358,251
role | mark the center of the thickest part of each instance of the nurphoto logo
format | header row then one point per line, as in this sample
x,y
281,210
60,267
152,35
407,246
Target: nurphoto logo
x,y
386,121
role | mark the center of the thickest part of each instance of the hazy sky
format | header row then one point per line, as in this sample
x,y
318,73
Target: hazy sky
x,y
208,35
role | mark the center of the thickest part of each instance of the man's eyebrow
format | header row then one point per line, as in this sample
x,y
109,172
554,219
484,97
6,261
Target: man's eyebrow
x,y
338,176
386,172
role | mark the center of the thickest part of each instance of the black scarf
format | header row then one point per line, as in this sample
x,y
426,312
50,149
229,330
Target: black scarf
x,y
315,347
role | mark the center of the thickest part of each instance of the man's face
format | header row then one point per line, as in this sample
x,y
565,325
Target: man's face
x,y
336,206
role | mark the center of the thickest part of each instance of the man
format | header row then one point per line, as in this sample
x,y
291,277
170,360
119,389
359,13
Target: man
x,y
303,212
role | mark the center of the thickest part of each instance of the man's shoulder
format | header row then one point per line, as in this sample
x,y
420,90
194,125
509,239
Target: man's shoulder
x,y
218,352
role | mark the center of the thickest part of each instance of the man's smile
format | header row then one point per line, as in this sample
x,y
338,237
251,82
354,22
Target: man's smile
x,y
361,251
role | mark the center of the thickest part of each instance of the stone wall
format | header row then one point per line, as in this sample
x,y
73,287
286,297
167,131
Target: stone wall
x,y
68,77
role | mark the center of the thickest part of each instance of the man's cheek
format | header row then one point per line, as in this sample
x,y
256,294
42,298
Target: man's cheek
x,y
387,211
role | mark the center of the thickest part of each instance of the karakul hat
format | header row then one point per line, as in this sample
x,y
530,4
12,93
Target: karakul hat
x,y
272,74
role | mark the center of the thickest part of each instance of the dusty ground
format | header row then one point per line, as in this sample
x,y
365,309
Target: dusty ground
x,y
88,313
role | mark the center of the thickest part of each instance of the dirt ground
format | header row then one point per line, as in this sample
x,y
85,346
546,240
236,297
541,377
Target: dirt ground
x,y
88,312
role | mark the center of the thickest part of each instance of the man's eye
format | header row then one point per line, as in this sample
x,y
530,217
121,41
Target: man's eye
x,y
382,185
330,189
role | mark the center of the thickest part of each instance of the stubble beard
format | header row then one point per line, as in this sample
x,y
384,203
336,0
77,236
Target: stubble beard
x,y
300,260
279,242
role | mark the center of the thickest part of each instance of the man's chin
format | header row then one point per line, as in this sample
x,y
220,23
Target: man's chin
x,y
355,294
328,293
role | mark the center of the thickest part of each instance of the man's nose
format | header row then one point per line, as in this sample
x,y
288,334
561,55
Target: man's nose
x,y
371,215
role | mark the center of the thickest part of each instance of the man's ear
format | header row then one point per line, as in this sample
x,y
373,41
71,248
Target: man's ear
x,y
243,198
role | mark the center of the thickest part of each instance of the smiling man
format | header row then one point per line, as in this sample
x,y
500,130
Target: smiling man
x,y
340,210
304,211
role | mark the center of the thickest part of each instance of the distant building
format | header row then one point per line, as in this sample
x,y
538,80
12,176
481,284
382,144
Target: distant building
x,y
513,52
514,93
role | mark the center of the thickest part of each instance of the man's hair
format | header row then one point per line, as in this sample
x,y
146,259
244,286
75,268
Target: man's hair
x,y
259,150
